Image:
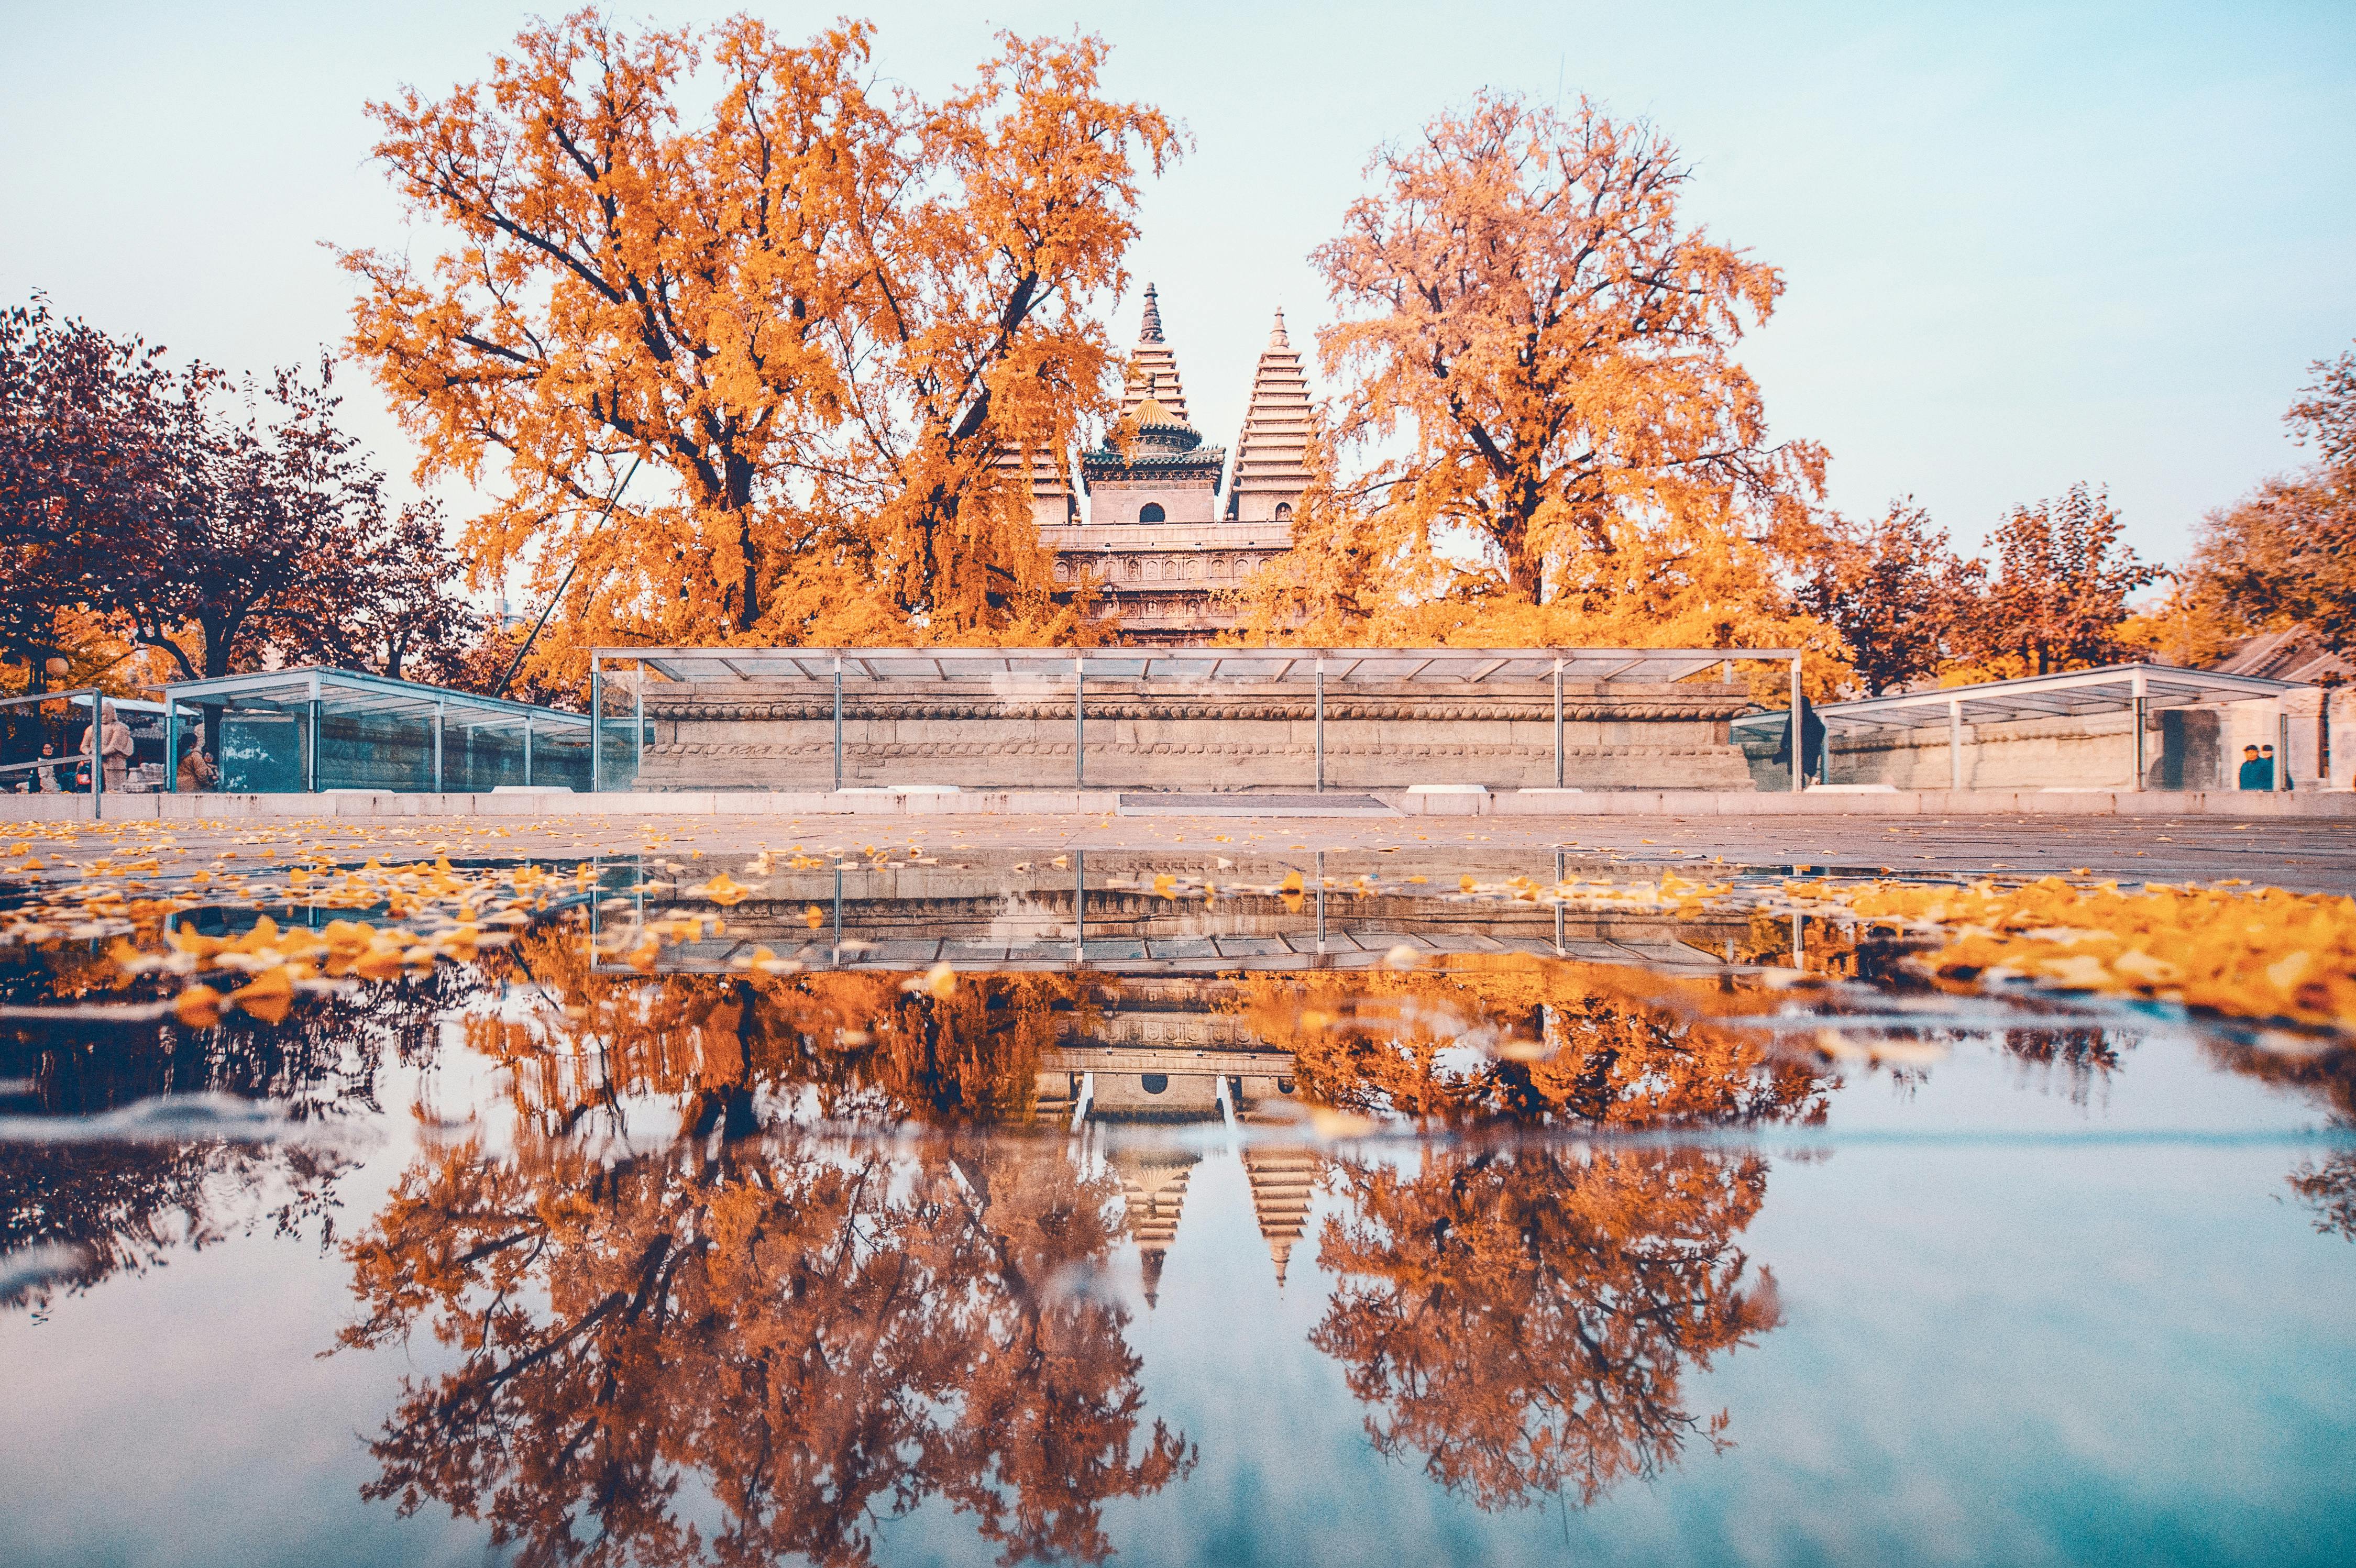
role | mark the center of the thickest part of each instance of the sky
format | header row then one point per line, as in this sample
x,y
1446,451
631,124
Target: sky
x,y
2024,246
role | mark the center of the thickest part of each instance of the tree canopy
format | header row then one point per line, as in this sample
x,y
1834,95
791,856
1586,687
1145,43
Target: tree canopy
x,y
815,307
218,524
1537,380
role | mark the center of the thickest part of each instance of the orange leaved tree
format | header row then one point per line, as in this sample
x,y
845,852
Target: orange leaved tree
x,y
1538,359
2057,599
812,308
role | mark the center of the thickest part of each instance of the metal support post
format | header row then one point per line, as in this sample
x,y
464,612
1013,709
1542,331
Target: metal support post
x,y
2282,747
1558,869
838,913
311,758
1079,721
1558,726
1321,726
1954,742
638,721
1079,906
596,724
1799,733
97,772
527,751
1321,901
171,743
2142,714
440,704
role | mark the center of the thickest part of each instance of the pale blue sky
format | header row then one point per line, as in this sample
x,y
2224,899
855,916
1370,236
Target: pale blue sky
x,y
2025,244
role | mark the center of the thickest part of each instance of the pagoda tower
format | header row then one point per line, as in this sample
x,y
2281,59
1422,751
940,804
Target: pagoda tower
x,y
1284,1180
1273,453
1053,502
1153,1194
1152,368
1157,544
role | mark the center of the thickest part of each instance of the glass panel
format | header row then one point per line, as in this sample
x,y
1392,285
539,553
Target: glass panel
x,y
559,755
262,750
476,756
376,748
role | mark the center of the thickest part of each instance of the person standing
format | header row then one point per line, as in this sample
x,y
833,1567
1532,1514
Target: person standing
x,y
114,746
2256,774
46,775
1812,743
2266,759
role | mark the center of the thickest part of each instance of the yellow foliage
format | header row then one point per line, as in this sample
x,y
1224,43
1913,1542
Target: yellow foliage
x,y
2264,954
1545,470
816,313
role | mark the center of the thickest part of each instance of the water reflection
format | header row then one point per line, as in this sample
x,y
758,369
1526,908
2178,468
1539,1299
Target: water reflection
x,y
816,1338
696,1253
2329,1186
77,1208
1504,1041
739,1050
1521,1321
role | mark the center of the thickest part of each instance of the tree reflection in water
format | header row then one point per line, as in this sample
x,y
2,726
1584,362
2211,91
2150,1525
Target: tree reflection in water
x,y
1522,1319
1518,1042
2322,1072
821,1337
97,1207
847,1046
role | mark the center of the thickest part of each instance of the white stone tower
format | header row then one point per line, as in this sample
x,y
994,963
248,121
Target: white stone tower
x,y
1273,453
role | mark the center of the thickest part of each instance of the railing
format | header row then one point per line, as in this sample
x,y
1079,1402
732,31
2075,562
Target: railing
x,y
1304,669
85,759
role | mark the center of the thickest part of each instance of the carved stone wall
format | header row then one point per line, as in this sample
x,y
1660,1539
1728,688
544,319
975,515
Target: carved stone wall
x,y
780,735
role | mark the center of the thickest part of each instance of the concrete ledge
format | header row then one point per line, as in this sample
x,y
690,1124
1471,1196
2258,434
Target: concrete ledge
x,y
2305,803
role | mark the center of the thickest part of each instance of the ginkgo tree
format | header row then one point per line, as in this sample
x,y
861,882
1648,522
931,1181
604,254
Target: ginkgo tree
x,y
814,309
1539,388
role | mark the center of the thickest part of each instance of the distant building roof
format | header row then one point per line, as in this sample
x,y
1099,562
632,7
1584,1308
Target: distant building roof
x,y
2293,653
2109,689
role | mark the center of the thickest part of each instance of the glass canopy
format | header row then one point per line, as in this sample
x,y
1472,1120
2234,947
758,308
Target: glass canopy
x,y
313,728
1436,666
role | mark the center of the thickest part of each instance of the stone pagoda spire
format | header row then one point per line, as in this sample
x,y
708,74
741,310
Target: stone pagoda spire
x,y
1153,1193
1153,368
1272,455
1283,1180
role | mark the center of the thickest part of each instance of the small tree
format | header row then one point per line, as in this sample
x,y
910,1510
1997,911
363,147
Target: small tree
x,y
254,538
2060,587
411,622
78,466
1895,590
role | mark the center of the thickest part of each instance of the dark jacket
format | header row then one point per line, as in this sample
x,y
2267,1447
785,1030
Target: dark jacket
x,y
1812,732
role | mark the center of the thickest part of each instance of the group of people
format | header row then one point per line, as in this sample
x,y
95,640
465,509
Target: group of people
x,y
114,745
2258,768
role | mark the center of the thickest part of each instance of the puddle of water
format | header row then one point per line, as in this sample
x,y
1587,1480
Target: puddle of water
x,y
1236,1208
